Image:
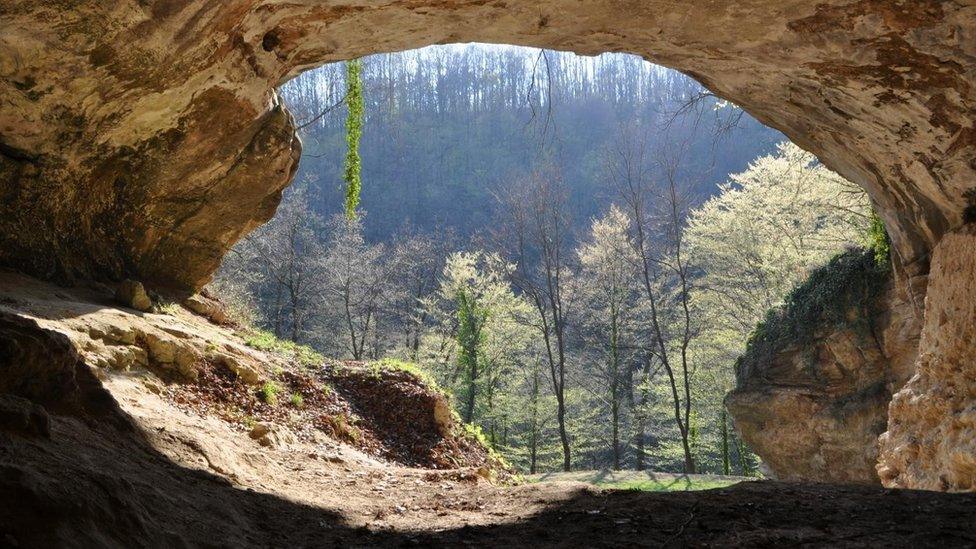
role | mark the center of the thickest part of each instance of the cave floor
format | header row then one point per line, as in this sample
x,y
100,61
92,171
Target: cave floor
x,y
99,481
118,464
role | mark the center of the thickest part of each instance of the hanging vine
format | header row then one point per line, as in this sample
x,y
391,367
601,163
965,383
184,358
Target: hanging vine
x,y
354,131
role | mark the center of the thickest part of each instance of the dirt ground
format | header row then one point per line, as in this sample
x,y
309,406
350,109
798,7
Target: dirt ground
x,y
144,474
105,457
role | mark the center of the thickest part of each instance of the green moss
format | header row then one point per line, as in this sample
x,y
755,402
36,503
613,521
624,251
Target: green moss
x,y
297,400
842,292
267,341
391,364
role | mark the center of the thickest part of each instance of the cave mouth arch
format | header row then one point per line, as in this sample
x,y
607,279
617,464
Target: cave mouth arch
x,y
180,136
143,139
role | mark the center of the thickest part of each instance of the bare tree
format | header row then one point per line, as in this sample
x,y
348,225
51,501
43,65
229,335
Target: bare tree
x,y
536,235
657,209
356,284
416,262
281,263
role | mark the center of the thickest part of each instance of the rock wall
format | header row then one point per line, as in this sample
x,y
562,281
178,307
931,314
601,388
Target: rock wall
x,y
813,407
142,138
931,438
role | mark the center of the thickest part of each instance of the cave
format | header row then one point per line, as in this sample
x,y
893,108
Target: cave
x,y
142,139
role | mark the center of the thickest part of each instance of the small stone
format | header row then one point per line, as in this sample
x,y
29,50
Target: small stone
x,y
132,294
208,308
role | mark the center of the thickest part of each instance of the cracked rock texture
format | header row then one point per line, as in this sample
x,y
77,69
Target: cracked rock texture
x,y
141,138
931,438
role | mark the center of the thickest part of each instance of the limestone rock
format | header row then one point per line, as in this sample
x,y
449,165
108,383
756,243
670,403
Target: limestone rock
x,y
931,438
814,409
248,373
208,308
143,139
271,435
132,294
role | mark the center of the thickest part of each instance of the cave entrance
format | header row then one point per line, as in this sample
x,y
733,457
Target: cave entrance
x,y
470,151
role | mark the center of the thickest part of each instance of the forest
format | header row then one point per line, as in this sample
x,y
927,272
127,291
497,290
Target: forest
x,y
576,249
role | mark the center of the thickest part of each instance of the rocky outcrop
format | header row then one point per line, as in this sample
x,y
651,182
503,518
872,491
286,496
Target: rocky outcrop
x,y
813,388
931,438
142,138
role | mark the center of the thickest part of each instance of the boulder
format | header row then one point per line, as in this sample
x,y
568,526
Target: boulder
x,y
272,435
813,407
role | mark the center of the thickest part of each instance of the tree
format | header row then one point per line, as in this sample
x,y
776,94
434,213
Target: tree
x,y
607,307
356,283
416,264
281,265
767,227
477,309
657,222
536,234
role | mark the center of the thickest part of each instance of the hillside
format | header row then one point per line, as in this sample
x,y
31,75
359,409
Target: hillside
x,y
448,127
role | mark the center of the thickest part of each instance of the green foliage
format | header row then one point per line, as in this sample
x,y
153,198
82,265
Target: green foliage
x,y
878,240
297,400
849,282
640,481
269,392
377,366
266,341
354,130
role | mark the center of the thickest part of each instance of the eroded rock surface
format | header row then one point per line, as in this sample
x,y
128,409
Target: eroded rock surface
x,y
814,407
143,138
931,438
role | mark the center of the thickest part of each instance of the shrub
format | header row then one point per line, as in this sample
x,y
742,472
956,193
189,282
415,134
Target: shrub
x,y
296,400
269,392
878,240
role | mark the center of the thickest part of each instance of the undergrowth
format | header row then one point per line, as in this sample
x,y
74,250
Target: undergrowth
x,y
392,364
842,292
266,341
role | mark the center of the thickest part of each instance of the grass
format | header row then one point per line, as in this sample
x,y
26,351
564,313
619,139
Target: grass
x,y
416,371
266,341
642,480
269,392
297,400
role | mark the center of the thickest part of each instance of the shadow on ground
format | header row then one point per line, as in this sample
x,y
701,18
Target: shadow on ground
x,y
81,475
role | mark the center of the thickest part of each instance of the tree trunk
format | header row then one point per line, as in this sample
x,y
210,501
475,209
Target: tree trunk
x,y
726,465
